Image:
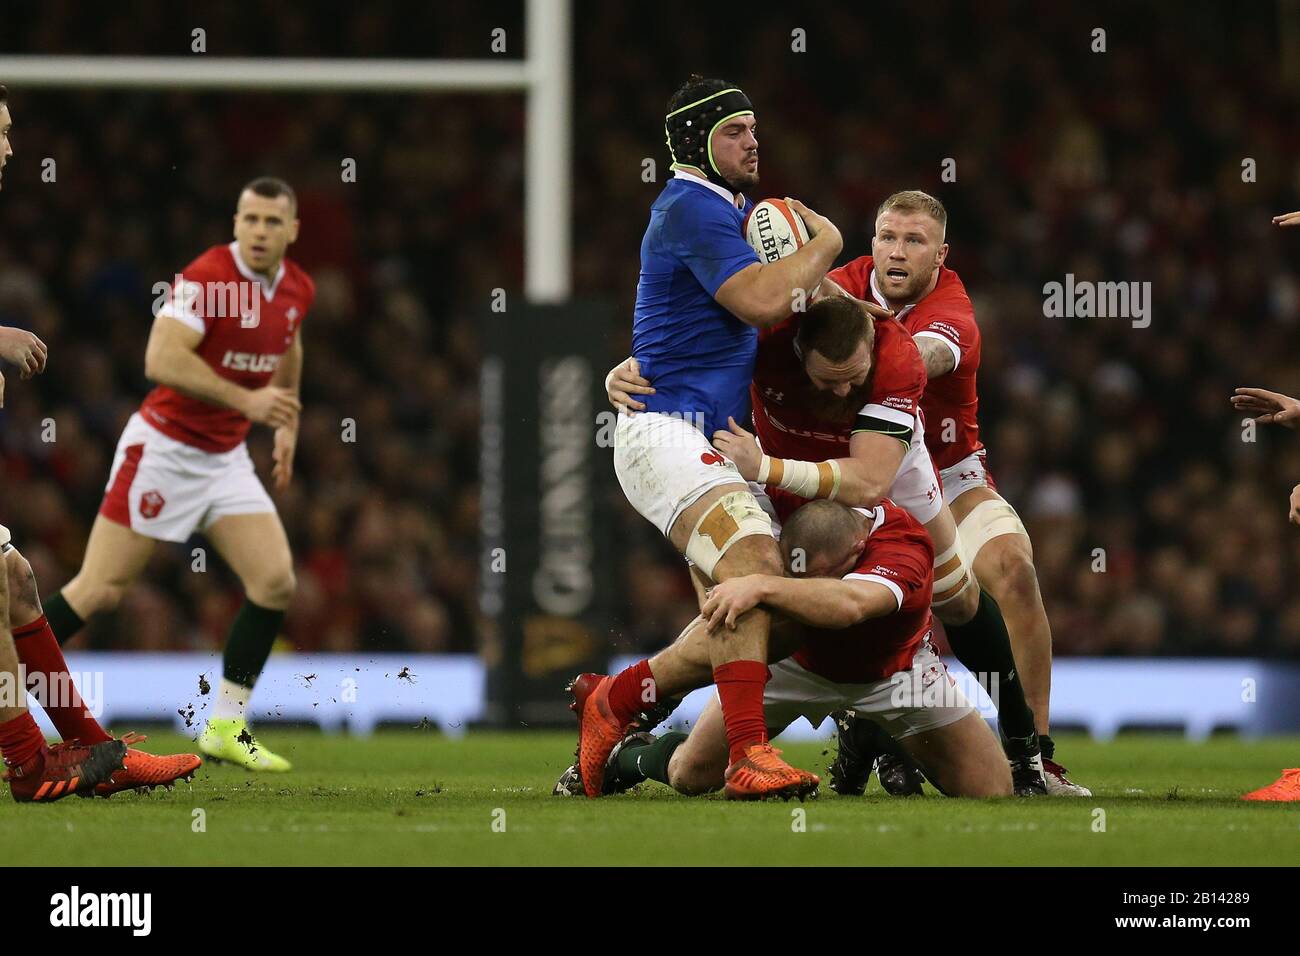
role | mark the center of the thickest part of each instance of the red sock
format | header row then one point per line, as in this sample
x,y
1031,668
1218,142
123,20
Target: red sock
x,y
740,686
633,691
40,654
20,740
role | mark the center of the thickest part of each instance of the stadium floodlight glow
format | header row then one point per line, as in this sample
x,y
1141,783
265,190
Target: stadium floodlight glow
x,y
543,76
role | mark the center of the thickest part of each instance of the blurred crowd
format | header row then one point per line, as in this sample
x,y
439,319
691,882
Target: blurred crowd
x,y
1157,528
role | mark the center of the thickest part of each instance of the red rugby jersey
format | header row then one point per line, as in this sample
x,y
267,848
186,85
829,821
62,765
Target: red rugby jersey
x,y
898,555
786,416
247,327
950,404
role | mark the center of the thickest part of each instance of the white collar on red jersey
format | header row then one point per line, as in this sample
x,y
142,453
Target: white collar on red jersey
x,y
252,276
880,299
877,514
732,198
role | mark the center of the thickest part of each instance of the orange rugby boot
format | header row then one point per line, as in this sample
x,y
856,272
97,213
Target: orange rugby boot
x,y
1285,788
761,773
144,771
599,731
64,769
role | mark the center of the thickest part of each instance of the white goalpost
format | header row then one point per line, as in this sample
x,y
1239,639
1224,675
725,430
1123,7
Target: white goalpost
x,y
544,77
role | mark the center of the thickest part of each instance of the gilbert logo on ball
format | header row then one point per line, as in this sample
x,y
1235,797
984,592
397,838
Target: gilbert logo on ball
x,y
774,230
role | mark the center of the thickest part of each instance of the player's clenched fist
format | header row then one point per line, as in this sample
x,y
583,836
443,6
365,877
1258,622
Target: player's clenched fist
x,y
741,447
1287,219
1295,505
272,405
732,598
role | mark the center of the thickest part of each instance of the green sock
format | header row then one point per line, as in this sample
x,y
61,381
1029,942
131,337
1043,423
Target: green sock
x,y
639,761
249,644
983,645
64,621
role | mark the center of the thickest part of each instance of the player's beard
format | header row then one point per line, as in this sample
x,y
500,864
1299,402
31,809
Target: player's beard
x,y
831,408
908,295
743,181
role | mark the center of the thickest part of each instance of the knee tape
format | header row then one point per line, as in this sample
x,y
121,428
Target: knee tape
x,y
952,575
987,520
734,516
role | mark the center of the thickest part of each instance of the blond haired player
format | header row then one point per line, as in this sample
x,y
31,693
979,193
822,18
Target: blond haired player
x,y
226,353
906,271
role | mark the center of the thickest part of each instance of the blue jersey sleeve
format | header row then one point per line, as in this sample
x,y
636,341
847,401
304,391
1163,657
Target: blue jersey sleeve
x,y
708,240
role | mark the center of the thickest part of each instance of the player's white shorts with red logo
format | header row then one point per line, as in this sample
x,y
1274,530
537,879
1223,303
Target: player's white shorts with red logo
x,y
916,487
909,702
665,464
971,472
167,490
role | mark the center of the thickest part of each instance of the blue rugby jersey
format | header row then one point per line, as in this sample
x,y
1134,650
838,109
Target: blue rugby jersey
x,y
698,356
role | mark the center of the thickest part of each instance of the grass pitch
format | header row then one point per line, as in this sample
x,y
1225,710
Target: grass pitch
x,y
418,798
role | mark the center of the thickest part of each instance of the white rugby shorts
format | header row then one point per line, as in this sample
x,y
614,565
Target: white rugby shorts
x,y
167,490
664,465
971,472
916,487
910,702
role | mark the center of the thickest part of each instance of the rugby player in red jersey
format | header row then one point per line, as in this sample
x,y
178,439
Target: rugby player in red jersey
x,y
36,771
836,406
906,273
858,601
226,353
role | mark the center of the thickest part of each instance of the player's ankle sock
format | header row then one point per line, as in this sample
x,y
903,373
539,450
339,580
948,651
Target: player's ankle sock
x,y
252,633
64,621
983,645
1047,746
20,740
232,700
740,688
648,760
627,696
50,683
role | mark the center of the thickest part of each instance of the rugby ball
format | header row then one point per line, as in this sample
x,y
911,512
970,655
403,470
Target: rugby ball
x,y
774,230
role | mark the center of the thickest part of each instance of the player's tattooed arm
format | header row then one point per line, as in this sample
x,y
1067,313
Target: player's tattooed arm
x,y
936,355
171,359
817,602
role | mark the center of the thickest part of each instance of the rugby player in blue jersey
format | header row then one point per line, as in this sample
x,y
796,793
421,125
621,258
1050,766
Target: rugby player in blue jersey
x,y
701,299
